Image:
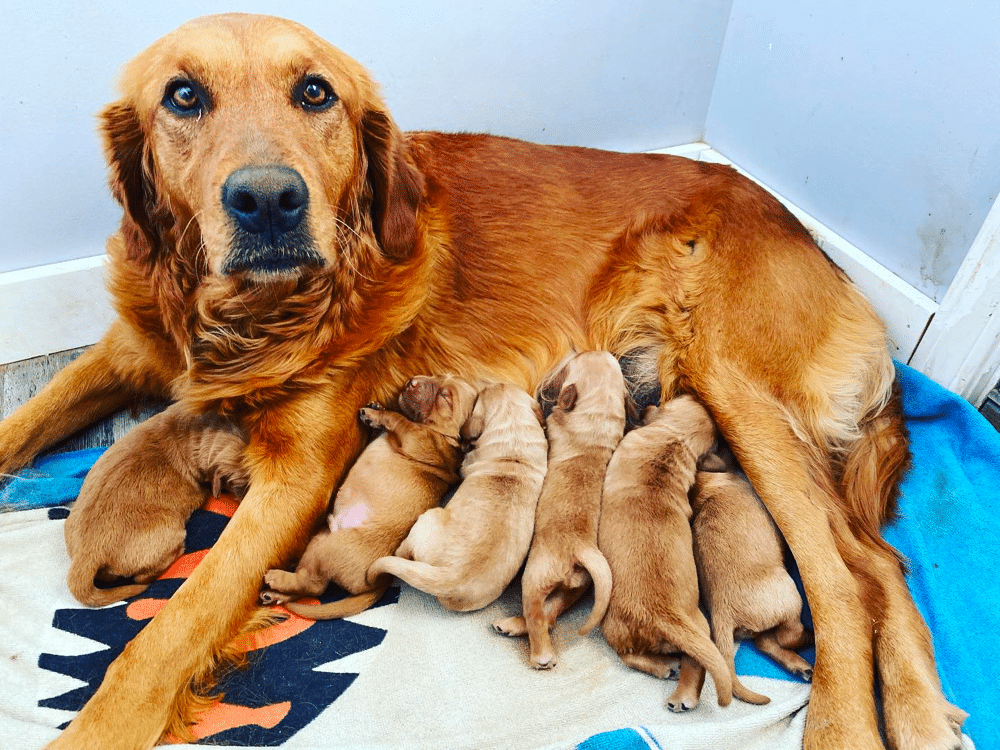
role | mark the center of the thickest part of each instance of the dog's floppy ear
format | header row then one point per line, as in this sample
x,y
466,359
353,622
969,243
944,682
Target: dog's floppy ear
x,y
567,397
131,177
396,185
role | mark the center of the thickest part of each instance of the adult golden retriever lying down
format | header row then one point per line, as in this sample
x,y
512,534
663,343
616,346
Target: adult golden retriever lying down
x,y
287,255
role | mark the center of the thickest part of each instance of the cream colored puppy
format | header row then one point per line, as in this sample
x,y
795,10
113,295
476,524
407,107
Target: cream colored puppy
x,y
467,553
741,566
403,472
645,534
584,427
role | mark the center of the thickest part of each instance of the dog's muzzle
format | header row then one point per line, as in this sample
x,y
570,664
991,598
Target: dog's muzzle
x,y
267,206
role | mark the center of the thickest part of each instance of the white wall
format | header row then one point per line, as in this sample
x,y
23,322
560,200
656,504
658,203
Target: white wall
x,y
881,119
631,75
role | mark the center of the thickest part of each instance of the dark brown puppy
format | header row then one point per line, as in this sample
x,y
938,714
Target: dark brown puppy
x,y
128,521
741,570
404,472
489,257
583,429
645,534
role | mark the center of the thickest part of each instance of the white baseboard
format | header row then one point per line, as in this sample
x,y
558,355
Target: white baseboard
x,y
62,306
52,308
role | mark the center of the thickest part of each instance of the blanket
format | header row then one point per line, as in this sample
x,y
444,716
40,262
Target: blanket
x,y
408,673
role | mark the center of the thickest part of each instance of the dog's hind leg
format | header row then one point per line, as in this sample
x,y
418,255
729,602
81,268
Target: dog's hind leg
x,y
789,478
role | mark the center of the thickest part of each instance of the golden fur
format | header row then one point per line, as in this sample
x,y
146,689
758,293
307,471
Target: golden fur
x,y
403,473
583,429
467,553
129,519
491,258
645,535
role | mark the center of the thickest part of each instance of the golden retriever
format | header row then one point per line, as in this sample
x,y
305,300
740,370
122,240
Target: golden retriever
x,y
741,569
645,534
402,473
287,255
583,429
467,553
128,522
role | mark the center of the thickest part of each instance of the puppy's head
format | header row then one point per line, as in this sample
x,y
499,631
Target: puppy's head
x,y
579,375
444,402
261,151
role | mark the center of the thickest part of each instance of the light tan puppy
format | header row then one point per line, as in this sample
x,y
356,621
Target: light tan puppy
x,y
128,522
467,553
584,427
645,534
744,584
402,473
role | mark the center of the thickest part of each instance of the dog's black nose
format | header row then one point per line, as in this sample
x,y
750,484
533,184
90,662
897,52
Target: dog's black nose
x,y
267,201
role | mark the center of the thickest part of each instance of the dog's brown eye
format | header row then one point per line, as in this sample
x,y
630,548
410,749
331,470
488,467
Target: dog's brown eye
x,y
183,98
315,94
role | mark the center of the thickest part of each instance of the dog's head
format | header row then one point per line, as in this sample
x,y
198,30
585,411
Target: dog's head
x,y
444,402
262,149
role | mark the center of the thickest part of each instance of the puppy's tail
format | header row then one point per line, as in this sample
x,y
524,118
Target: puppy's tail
x,y
600,573
81,585
352,605
723,637
428,578
699,647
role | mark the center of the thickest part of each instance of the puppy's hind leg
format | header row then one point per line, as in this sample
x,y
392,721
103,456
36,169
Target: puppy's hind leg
x,y
769,644
660,666
688,692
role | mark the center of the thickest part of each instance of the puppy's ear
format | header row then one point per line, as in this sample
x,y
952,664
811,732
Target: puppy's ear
x,y
548,390
567,397
396,185
473,428
712,462
131,178
536,409
631,410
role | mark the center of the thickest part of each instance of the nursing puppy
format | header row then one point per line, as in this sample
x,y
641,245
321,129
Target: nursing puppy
x,y
128,522
402,473
583,429
645,534
467,553
744,584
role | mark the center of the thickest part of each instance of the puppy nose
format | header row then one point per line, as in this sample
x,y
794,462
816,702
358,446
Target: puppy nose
x,y
267,201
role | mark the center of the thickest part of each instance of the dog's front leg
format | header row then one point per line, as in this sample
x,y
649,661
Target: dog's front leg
x,y
120,367
297,452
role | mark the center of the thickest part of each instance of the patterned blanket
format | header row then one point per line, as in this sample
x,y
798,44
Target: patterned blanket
x,y
408,673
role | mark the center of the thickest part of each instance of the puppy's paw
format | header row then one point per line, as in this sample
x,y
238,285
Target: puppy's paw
x,y
805,674
544,661
271,598
511,627
367,415
681,706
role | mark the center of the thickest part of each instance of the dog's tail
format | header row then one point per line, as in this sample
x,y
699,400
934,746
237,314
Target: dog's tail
x,y
352,605
81,585
600,573
722,634
873,467
686,637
